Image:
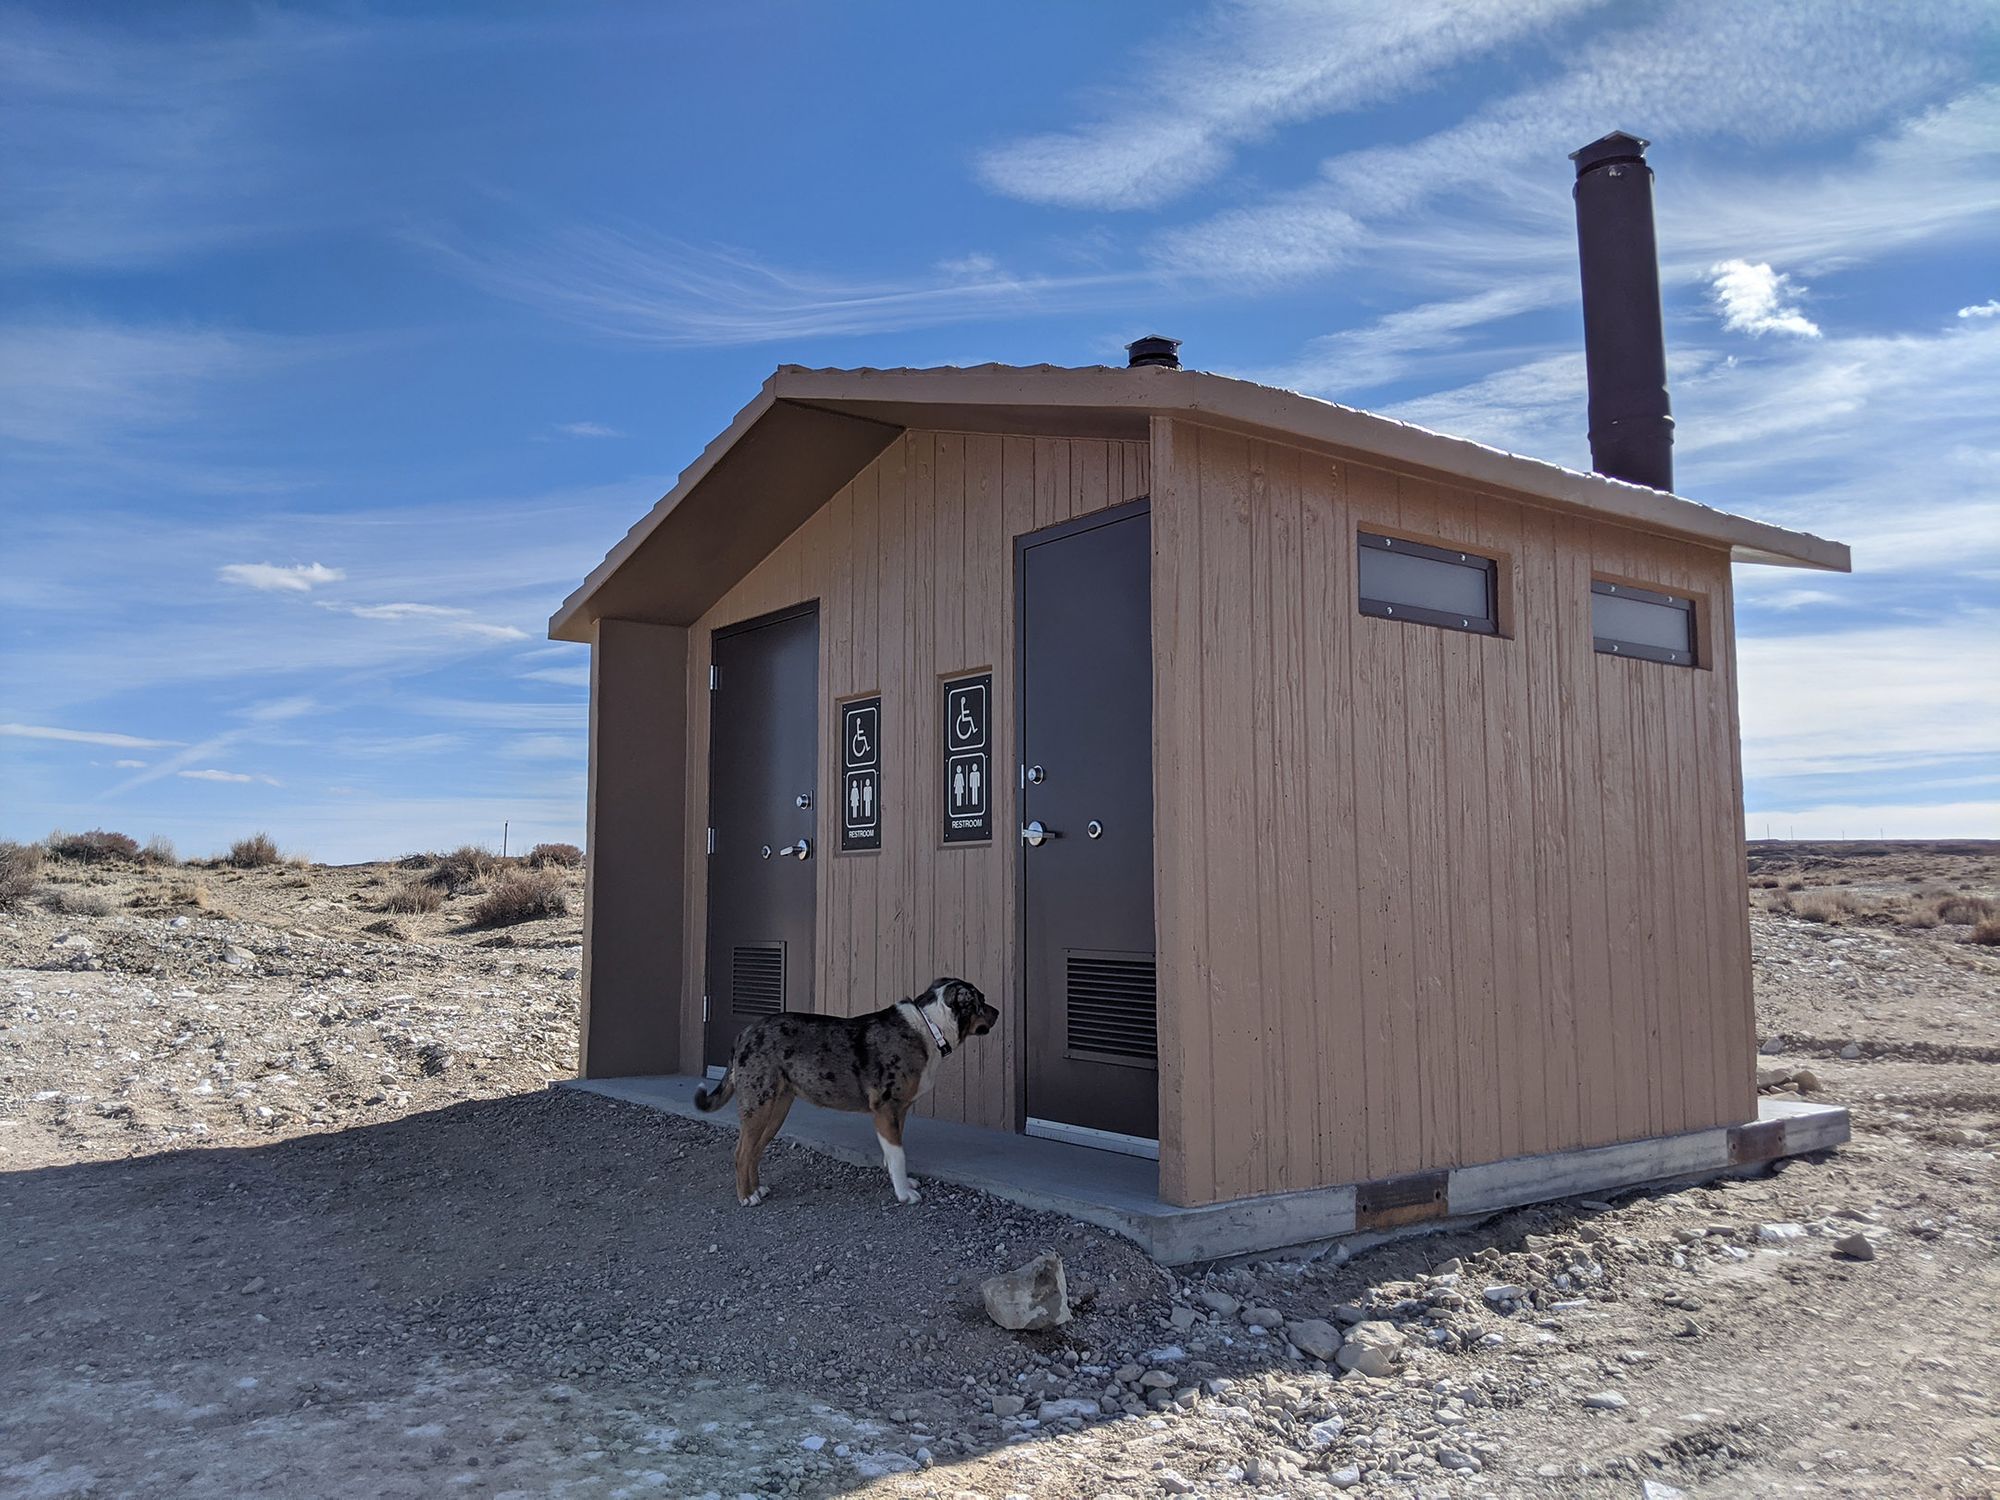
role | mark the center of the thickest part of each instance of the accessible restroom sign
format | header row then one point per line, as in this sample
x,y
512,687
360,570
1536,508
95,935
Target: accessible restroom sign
x,y
861,774
968,759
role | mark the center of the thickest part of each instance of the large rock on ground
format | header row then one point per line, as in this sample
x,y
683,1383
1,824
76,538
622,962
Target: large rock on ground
x,y
1030,1297
1373,1348
1314,1336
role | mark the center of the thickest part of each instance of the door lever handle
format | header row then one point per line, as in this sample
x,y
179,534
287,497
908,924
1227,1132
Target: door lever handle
x,y
801,850
1034,835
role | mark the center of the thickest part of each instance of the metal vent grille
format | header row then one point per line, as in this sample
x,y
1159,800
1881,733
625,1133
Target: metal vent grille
x,y
1113,1005
757,980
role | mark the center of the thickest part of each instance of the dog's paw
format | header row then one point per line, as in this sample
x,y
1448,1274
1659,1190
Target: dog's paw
x,y
909,1195
755,1198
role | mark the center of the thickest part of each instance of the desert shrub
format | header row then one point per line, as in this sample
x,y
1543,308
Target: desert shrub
x,y
66,903
462,869
1968,911
564,856
172,893
414,896
1987,932
418,861
254,852
20,868
1923,916
1831,907
159,851
93,847
520,898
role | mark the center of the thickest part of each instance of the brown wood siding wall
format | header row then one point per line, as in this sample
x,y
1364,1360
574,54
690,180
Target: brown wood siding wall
x,y
913,566
1482,896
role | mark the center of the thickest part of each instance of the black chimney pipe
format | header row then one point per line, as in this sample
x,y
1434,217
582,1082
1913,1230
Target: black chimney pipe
x,y
1624,341
1153,350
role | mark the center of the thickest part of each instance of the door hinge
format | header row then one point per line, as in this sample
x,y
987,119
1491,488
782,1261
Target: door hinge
x,y
711,841
711,677
704,1007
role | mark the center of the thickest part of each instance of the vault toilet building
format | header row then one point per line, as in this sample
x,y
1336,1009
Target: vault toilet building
x,y
1333,808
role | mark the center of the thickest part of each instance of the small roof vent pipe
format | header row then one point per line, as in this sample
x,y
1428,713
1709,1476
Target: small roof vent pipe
x,y
1153,350
1624,342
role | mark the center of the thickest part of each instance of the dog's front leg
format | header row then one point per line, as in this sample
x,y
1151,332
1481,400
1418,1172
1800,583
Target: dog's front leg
x,y
889,1130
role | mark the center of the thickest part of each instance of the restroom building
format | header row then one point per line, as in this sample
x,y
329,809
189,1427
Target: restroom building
x,y
1323,801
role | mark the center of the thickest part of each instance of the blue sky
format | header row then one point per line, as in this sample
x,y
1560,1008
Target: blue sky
x,y
337,344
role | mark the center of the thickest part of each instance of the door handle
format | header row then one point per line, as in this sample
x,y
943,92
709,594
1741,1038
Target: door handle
x,y
1035,835
801,850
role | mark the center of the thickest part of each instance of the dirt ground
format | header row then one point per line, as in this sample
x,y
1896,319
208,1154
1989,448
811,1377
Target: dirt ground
x,y
287,1208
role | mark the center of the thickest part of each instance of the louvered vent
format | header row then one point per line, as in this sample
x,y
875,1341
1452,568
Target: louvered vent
x,y
1113,1007
757,980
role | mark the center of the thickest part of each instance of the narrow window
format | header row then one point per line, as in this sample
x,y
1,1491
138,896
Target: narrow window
x,y
1431,585
1638,622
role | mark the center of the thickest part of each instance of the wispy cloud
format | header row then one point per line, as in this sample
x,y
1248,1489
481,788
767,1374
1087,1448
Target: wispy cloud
x,y
545,747
1987,309
299,578
439,616
586,430
128,765
566,676
1755,299
81,736
1240,72
212,774
70,384
657,290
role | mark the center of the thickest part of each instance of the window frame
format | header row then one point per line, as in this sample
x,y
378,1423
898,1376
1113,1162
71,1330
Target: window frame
x,y
1605,645
1384,609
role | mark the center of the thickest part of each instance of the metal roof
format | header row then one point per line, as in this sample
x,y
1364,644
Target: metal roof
x,y
808,432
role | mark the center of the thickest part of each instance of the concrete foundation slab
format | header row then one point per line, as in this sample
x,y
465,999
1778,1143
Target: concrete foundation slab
x,y
1121,1193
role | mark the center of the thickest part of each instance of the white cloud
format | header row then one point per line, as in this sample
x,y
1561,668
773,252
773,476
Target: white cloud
x,y
976,263
82,736
1790,599
657,290
587,430
566,676
1877,700
212,774
1756,300
1701,70
545,747
66,385
1239,72
1987,309
300,578
445,617
128,765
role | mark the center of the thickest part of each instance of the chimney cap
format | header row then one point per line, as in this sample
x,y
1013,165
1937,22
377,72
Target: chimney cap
x,y
1153,349
1617,146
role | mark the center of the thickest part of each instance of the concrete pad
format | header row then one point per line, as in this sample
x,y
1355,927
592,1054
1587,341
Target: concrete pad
x,y
1122,1193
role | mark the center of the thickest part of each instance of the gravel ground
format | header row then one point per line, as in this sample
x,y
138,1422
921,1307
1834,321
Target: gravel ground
x,y
423,1272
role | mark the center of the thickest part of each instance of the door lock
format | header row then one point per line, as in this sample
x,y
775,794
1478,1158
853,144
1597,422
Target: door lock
x,y
801,850
803,801
1036,775
1035,835
1094,828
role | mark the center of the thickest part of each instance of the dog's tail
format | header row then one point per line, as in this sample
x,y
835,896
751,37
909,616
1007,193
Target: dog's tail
x,y
706,1099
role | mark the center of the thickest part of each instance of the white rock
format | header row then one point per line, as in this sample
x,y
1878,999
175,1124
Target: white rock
x,y
1605,1401
1773,1047
1174,1483
1851,1051
1315,1336
1499,1294
1344,1479
1653,1489
1034,1296
1068,1406
1220,1302
812,1442
1772,1234
1323,1434
1462,1463
1373,1348
1855,1247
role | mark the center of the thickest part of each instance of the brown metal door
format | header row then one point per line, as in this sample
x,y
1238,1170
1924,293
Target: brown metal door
x,y
1087,811
763,748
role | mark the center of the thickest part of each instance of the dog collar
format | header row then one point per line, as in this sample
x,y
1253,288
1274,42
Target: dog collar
x,y
937,1035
